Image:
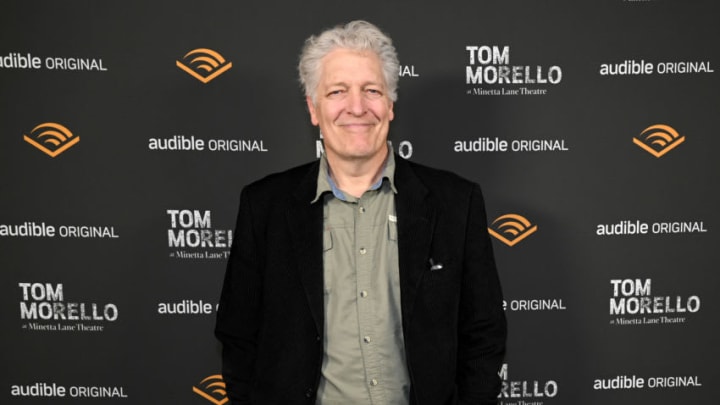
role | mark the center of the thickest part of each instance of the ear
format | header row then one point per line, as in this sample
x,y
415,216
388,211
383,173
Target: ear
x,y
311,110
391,113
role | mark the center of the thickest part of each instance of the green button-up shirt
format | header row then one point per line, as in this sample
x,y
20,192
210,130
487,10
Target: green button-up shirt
x,y
364,354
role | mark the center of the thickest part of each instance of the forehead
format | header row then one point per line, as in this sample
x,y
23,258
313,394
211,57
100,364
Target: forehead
x,y
347,65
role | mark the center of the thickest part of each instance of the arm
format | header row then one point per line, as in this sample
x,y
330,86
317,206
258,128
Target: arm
x,y
238,314
482,328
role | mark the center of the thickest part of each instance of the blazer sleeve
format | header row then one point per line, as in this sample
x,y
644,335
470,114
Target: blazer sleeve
x,y
482,326
238,315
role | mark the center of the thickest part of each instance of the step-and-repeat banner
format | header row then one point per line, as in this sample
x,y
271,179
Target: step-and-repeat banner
x,y
128,129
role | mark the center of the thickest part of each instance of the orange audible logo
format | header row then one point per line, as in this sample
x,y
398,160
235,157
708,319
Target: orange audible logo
x,y
658,139
510,229
213,389
203,64
51,138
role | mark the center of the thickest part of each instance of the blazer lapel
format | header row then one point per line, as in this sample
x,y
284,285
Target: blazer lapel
x,y
305,223
416,222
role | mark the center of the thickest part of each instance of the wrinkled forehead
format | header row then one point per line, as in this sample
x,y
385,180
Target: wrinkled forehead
x,y
349,65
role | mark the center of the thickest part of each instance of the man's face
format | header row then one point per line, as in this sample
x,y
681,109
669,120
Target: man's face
x,y
352,107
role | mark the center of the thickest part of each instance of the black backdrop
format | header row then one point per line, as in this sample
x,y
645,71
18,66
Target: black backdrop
x,y
112,252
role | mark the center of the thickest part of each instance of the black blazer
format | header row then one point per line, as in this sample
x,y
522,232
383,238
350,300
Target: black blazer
x,y
270,317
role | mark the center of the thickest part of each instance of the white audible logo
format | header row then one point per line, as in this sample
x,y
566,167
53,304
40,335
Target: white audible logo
x,y
19,60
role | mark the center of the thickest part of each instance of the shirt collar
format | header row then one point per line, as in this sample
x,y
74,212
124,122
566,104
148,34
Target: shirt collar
x,y
325,183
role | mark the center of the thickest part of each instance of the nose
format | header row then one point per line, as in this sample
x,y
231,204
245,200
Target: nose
x,y
356,103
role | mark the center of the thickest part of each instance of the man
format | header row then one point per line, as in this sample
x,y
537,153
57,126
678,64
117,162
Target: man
x,y
360,278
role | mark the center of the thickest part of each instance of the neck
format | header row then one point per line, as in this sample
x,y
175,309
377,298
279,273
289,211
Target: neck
x,y
354,177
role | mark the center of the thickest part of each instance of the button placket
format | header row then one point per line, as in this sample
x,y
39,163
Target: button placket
x,y
366,241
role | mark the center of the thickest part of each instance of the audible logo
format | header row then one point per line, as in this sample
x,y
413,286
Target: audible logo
x,y
54,390
631,67
186,307
51,138
658,139
510,229
534,305
213,389
204,64
625,382
25,60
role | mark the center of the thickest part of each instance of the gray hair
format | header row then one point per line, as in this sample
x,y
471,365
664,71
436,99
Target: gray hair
x,y
356,35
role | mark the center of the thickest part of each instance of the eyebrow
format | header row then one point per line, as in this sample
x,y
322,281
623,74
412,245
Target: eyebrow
x,y
345,84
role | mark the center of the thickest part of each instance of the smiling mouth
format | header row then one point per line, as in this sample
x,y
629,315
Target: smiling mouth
x,y
356,124
357,127
349,124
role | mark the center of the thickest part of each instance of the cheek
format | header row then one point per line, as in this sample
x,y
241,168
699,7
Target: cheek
x,y
383,110
330,112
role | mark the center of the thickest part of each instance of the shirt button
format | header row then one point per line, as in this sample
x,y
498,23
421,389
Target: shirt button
x,y
373,382
363,293
367,339
363,251
362,210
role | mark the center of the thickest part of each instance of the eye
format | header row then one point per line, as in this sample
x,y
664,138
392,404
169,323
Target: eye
x,y
335,93
373,93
